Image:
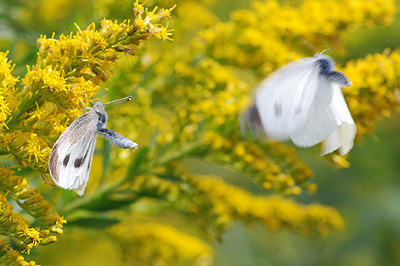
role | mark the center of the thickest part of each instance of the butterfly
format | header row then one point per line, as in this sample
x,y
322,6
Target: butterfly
x,y
71,156
303,101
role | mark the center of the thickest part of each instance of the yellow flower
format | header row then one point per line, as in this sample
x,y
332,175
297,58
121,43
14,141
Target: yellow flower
x,y
11,256
153,241
274,212
35,111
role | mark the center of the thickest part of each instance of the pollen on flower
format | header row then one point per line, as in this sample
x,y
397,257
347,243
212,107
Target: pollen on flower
x,y
35,148
37,77
7,80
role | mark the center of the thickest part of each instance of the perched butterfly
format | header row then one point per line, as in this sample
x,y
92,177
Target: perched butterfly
x,y
303,101
72,154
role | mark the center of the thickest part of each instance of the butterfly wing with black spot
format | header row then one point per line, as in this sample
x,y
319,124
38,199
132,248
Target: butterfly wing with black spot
x,y
71,156
284,98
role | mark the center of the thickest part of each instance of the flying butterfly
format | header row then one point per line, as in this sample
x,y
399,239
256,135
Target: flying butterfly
x,y
303,101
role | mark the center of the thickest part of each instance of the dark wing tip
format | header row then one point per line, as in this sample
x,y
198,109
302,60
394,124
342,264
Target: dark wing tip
x,y
251,121
326,69
339,78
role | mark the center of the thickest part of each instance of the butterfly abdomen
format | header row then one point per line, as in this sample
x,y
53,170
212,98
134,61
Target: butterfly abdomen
x,y
117,139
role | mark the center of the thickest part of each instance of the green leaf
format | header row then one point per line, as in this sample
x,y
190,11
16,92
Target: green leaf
x,y
112,201
139,159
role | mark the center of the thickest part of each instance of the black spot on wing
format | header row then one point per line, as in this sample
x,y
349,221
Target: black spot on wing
x,y
66,159
277,109
79,162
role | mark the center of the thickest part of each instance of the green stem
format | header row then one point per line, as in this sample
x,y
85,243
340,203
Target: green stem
x,y
176,154
107,188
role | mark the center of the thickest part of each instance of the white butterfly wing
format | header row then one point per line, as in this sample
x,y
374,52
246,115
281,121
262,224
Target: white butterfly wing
x,y
328,119
71,156
342,137
283,100
322,118
78,170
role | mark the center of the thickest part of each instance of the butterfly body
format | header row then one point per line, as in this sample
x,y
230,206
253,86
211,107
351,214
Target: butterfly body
x,y
71,156
302,101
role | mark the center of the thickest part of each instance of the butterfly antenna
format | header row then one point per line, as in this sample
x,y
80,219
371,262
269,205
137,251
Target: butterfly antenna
x,y
88,97
83,104
330,49
303,41
125,99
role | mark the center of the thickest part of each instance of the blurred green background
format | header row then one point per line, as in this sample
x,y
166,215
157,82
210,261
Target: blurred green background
x,y
366,194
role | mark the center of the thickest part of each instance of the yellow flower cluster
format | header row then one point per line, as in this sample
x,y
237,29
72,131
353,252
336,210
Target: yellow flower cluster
x,y
375,92
7,93
33,203
276,213
272,165
35,111
218,96
152,186
14,226
150,23
214,205
12,257
161,244
255,38
192,14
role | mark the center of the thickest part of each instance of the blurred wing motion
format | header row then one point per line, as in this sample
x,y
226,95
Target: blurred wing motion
x,y
302,101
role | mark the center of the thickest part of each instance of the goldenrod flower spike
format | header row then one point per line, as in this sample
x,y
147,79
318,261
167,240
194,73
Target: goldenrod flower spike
x,y
36,109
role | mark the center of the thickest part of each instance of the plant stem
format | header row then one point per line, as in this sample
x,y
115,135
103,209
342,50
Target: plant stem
x,y
107,188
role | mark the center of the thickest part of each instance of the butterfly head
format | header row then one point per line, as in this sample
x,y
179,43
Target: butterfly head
x,y
98,106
